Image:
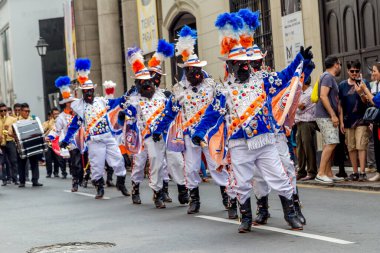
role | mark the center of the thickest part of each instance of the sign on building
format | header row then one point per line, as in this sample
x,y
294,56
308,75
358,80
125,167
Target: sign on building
x,y
292,32
147,17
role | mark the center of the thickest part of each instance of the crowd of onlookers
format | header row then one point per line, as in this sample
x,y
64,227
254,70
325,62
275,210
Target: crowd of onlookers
x,y
338,114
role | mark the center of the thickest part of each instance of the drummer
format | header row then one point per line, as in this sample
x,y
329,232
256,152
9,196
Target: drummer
x,y
33,160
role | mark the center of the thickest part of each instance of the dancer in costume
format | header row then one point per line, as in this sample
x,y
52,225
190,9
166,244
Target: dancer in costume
x,y
283,116
90,112
241,104
62,123
145,107
141,113
283,101
184,110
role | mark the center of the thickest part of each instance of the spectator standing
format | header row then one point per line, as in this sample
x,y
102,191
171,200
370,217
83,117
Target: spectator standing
x,y
306,135
352,106
371,160
326,114
374,97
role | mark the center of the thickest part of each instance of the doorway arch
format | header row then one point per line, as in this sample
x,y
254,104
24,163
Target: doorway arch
x,y
183,18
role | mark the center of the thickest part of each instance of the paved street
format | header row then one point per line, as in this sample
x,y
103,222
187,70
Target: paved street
x,y
31,217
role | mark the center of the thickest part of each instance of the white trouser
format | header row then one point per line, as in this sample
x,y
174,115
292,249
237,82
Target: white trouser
x,y
172,163
193,157
265,159
138,166
165,172
156,152
231,185
261,187
102,149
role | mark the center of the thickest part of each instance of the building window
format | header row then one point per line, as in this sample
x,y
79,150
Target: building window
x,y
290,6
263,34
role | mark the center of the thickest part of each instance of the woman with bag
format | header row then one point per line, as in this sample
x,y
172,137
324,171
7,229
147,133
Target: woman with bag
x,y
373,96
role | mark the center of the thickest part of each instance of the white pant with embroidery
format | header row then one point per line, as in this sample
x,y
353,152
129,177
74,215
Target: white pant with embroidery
x,y
193,157
266,160
172,163
103,148
261,187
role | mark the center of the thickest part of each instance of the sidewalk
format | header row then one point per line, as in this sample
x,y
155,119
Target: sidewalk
x,y
367,186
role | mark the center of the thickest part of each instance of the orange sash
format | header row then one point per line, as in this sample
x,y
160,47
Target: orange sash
x,y
150,120
195,119
236,122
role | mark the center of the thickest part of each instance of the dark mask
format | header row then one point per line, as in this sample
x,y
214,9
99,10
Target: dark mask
x,y
88,95
240,69
256,64
156,78
194,75
145,87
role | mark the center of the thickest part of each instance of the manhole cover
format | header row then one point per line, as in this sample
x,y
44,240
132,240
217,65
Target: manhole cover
x,y
71,247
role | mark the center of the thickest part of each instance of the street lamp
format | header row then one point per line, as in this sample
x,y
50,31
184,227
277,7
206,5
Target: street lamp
x,y
42,50
42,47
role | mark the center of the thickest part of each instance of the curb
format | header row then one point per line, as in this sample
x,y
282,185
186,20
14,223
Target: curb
x,y
345,185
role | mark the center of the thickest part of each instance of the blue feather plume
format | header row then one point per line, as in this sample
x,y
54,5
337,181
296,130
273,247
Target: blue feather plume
x,y
250,18
229,19
187,31
132,50
82,64
165,48
62,81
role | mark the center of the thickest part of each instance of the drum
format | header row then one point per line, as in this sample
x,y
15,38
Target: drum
x,y
30,139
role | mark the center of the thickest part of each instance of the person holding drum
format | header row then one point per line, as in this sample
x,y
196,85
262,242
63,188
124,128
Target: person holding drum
x,y
33,158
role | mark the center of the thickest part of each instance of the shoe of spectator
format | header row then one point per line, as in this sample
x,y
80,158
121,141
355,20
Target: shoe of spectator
x,y
300,176
371,169
307,178
337,179
21,186
362,177
56,175
64,176
37,184
205,179
375,178
48,176
354,177
324,179
16,182
344,175
4,183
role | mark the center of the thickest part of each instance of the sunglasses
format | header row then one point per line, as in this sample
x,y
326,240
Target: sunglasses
x,y
3,110
356,71
28,111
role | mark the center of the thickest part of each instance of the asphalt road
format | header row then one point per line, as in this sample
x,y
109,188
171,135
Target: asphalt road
x,y
31,217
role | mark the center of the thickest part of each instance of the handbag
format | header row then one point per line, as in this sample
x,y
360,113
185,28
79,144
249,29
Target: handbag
x,y
372,115
314,93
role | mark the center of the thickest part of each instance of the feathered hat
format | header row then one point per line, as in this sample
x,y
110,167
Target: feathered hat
x,y
63,84
136,59
185,47
109,89
164,50
82,67
250,24
230,27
